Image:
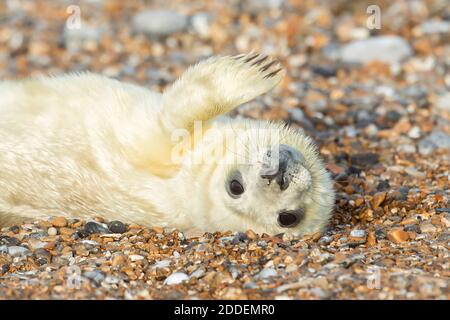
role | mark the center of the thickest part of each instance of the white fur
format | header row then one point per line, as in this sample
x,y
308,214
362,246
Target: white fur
x,y
84,145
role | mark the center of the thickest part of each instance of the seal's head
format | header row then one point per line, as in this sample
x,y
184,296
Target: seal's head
x,y
268,179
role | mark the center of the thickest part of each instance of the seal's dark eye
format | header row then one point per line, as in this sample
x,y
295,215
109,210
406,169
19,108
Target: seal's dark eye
x,y
236,188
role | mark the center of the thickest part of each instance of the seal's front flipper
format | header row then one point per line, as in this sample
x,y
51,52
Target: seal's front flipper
x,y
216,86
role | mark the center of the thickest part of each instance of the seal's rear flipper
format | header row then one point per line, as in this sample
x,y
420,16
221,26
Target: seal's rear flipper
x,y
216,86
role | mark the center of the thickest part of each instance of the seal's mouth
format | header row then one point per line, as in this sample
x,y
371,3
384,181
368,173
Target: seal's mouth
x,y
290,218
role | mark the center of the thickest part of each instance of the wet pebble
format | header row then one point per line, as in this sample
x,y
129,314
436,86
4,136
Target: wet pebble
x,y
117,227
93,227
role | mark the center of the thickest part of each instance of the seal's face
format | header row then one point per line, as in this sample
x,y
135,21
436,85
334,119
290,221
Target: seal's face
x,y
272,192
267,178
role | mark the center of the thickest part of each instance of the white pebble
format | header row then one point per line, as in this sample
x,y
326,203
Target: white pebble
x,y
176,278
358,233
17,251
52,231
162,264
136,257
266,273
414,133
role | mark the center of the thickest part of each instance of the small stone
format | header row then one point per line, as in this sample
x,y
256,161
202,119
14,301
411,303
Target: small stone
x,y
135,257
398,236
427,228
118,260
251,234
326,240
96,276
176,278
159,22
52,231
266,273
200,23
198,273
117,227
93,227
389,49
415,173
378,199
364,159
324,70
59,222
14,229
162,264
414,133
159,230
291,268
371,239
36,244
239,237
66,231
9,241
358,233
17,251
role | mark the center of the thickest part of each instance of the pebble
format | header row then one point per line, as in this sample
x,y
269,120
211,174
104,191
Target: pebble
x,y
9,241
93,227
58,222
198,273
415,173
398,236
365,159
135,257
200,23
52,231
437,139
239,237
159,22
378,199
176,278
326,240
251,235
390,49
414,133
435,26
95,275
356,233
427,228
17,251
118,260
117,227
266,273
162,264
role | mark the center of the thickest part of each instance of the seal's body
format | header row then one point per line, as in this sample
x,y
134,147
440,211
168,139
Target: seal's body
x,y
85,145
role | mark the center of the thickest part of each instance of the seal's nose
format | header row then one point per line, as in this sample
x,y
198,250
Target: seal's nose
x,y
279,163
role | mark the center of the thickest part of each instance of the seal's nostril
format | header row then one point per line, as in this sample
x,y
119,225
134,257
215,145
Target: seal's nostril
x,y
289,219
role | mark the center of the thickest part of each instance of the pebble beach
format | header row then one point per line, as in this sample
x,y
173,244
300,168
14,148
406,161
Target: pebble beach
x,y
374,97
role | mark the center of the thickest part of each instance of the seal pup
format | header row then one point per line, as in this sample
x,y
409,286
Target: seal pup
x,y
84,145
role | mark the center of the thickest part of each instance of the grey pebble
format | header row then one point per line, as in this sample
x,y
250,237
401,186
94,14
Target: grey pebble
x,y
390,49
159,22
17,251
